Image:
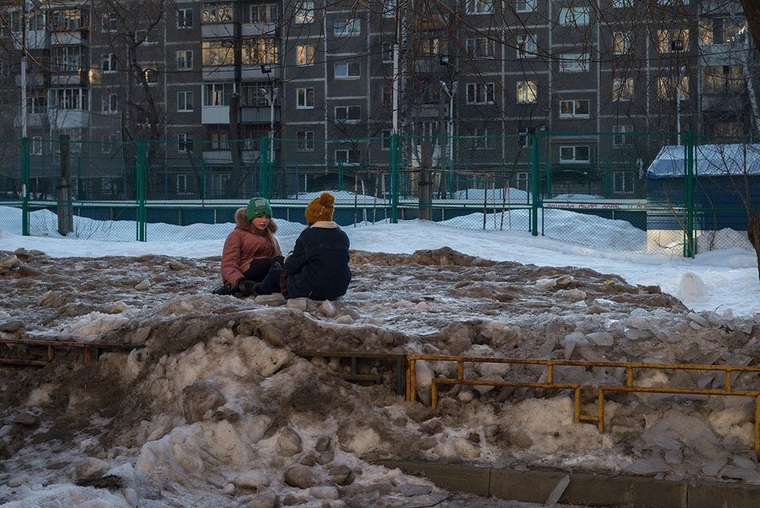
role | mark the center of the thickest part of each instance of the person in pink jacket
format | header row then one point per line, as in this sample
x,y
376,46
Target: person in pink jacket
x,y
250,249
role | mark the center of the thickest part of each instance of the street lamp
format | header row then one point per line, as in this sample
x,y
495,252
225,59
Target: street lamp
x,y
450,123
270,97
679,97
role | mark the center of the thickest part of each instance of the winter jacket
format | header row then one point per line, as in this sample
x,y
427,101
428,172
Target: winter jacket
x,y
245,244
318,267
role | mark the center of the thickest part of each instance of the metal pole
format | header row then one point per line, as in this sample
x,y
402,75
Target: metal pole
x,y
24,105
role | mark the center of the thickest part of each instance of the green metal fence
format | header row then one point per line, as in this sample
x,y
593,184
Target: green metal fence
x,y
640,191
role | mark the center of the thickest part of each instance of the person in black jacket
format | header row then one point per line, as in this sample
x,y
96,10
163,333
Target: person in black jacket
x,y
318,266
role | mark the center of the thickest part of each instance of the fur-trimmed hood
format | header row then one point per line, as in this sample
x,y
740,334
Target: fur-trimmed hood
x,y
242,222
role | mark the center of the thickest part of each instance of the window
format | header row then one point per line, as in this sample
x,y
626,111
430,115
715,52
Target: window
x,y
387,52
387,94
182,187
217,53
621,43
70,98
622,182
109,21
184,18
622,135
217,94
346,27
305,141
525,5
304,13
480,48
385,140
574,16
151,76
479,6
217,13
521,180
481,139
184,102
348,157
304,54
347,70
621,4
480,93
673,2
184,60
673,40
622,89
36,147
524,137
527,92
668,87
348,114
389,8
62,20
304,98
430,46
574,108
108,64
526,46
574,62
219,182
575,154
722,79
218,139
264,14
259,50
37,101
722,31
68,58
109,103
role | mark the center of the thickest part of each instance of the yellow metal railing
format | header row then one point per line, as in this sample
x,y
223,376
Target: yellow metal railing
x,y
630,387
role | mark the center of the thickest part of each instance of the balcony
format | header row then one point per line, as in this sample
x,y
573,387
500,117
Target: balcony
x,y
218,31
68,38
258,114
69,118
215,115
35,39
257,29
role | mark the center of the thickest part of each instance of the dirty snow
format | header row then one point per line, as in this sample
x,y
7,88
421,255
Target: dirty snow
x,y
216,408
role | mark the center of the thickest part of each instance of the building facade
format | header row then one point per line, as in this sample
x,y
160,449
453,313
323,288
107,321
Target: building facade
x,y
216,88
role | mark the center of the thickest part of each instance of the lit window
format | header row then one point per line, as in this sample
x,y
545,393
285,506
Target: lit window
x,y
622,89
259,50
673,40
216,53
527,92
217,13
304,54
621,43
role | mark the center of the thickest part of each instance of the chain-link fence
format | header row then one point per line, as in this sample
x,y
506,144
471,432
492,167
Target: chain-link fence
x,y
634,191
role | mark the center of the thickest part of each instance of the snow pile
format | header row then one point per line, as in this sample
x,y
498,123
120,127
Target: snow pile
x,y
227,404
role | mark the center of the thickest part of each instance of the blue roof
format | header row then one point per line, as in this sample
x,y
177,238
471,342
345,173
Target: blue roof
x,y
709,160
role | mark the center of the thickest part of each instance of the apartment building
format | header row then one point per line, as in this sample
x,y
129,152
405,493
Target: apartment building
x,y
218,87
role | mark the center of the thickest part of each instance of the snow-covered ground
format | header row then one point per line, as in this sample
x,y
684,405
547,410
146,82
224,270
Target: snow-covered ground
x,y
729,277
216,409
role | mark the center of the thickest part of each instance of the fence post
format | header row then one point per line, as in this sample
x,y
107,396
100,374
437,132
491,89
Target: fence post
x,y
25,186
394,177
535,185
141,191
689,245
203,179
340,176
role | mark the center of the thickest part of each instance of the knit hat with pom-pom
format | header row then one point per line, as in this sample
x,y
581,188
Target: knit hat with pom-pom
x,y
320,209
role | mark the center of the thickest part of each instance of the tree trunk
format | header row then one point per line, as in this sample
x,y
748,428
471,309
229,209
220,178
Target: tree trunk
x,y
752,12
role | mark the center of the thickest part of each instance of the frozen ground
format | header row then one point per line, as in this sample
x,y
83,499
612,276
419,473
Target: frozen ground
x,y
216,409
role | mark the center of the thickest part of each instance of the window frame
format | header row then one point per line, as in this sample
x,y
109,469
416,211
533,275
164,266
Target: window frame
x,y
348,160
183,63
349,67
188,98
574,16
527,92
351,113
305,98
305,141
574,159
184,21
575,104
475,90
